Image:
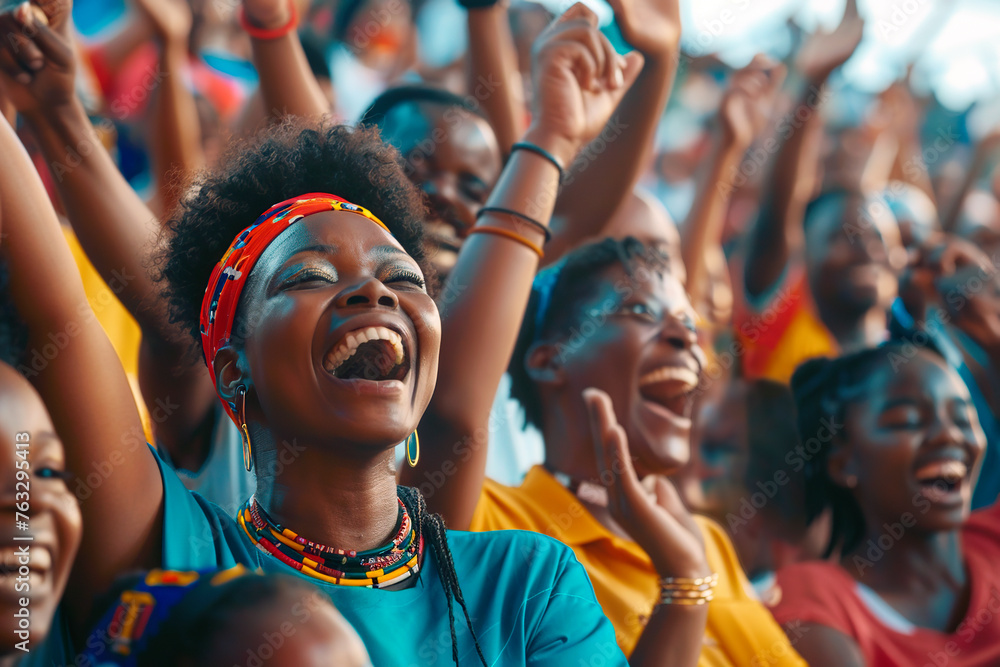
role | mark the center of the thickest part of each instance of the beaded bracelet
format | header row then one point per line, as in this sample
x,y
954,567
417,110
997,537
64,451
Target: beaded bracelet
x,y
538,150
270,33
506,233
531,221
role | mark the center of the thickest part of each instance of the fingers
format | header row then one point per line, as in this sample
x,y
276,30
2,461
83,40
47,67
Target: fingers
x,y
53,47
579,11
611,449
851,10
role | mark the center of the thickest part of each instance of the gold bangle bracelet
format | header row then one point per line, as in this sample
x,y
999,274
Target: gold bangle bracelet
x,y
711,579
685,601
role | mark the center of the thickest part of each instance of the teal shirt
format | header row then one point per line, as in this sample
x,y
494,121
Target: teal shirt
x,y
530,600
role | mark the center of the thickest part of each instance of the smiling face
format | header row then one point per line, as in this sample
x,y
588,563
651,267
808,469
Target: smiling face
x,y
914,444
453,157
853,255
55,522
343,339
635,339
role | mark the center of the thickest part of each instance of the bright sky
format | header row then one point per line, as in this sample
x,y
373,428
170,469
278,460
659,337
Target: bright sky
x,y
954,44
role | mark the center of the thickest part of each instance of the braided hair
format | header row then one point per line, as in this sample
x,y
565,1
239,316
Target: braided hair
x,y
558,290
823,389
432,527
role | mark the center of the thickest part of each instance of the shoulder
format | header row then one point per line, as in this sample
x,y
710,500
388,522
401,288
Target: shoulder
x,y
528,561
531,549
815,592
502,507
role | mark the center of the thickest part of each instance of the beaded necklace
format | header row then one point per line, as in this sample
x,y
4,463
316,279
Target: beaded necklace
x,y
374,568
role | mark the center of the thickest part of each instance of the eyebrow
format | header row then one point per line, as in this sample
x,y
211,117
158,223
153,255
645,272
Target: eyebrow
x,y
901,401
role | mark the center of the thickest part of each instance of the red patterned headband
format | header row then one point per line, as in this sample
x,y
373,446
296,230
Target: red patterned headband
x,y
229,277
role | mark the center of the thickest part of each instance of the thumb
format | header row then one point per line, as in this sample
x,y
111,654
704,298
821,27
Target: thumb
x,y
634,62
579,11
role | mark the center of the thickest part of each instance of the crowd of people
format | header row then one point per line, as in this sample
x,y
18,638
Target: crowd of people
x,y
564,344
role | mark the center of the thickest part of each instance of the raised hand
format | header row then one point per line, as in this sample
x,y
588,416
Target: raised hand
x,y
749,101
266,13
650,510
824,52
651,26
38,68
579,80
170,19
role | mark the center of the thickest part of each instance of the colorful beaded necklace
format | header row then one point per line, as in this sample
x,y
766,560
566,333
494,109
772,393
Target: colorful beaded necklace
x,y
375,568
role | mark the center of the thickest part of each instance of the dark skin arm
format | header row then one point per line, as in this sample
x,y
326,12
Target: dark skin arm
x,y
777,235
980,158
822,646
84,388
287,85
118,233
742,117
493,62
480,314
653,28
176,136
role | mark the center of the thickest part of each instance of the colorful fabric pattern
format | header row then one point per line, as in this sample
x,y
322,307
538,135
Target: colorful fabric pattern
x,y
229,277
141,610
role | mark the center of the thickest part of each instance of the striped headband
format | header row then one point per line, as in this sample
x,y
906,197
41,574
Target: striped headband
x,y
229,277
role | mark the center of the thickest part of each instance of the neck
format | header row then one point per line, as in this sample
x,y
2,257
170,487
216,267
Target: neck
x,y
856,332
344,500
569,445
569,450
917,561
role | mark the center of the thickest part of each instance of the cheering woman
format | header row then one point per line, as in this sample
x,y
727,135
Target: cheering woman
x,y
323,343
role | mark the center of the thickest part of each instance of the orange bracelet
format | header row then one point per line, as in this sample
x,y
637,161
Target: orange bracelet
x,y
506,233
272,33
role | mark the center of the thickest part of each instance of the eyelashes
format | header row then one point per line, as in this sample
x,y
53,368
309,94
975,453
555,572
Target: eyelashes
x,y
404,275
318,275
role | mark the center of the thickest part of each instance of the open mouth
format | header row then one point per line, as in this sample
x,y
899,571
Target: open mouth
x,y
941,479
670,388
376,354
12,559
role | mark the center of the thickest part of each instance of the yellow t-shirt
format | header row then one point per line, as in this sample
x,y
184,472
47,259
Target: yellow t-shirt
x,y
740,631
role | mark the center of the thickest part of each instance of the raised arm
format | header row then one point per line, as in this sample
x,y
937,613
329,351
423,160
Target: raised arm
x,y
287,85
578,82
176,130
777,234
117,231
493,68
605,172
83,386
742,116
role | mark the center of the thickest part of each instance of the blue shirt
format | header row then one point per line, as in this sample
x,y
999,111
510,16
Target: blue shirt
x,y
530,600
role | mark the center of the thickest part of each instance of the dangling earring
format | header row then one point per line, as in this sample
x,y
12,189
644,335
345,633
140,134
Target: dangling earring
x,y
241,396
413,449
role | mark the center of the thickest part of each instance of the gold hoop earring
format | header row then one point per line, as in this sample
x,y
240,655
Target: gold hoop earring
x,y
241,395
413,449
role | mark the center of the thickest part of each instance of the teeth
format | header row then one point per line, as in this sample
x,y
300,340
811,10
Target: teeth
x,y
686,376
951,471
346,349
39,559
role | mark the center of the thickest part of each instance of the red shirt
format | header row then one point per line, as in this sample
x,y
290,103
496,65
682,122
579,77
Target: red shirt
x,y
826,594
